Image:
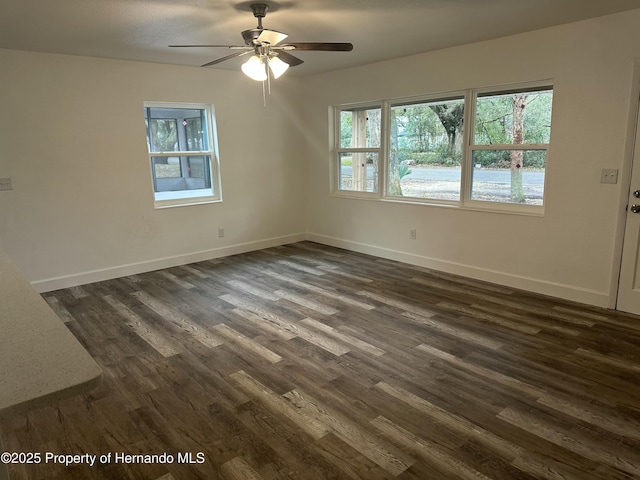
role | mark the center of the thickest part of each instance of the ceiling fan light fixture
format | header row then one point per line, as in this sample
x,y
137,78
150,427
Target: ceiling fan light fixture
x,y
255,69
277,66
264,65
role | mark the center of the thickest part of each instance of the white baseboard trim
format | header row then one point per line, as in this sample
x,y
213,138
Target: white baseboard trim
x,y
567,292
84,278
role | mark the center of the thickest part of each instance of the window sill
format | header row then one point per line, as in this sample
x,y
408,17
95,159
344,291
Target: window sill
x,y
475,206
356,195
184,198
506,208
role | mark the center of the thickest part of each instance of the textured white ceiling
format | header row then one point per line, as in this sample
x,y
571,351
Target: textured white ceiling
x,y
379,29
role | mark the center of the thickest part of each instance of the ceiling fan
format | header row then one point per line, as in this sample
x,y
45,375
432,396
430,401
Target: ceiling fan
x,y
271,57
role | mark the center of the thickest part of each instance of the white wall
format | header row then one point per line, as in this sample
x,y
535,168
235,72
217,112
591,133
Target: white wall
x,y
73,141
72,137
571,251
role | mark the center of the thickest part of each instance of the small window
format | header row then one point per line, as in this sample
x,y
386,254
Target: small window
x,y
358,154
184,166
509,147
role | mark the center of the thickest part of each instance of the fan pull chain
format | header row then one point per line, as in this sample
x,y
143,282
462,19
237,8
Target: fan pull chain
x,y
264,96
266,90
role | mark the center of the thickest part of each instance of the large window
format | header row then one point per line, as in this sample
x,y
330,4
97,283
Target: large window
x,y
425,149
477,148
184,167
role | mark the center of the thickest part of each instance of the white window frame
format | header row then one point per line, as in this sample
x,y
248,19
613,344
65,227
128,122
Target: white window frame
x,y
430,98
471,147
179,198
338,150
465,201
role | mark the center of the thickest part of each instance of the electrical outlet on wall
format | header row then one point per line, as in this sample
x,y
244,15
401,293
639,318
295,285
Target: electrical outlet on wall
x,y
220,232
5,184
609,175
412,234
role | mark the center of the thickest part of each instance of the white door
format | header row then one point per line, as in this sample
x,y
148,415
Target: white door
x,y
629,286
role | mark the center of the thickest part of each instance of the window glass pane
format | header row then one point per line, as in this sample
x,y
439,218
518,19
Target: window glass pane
x,y
164,134
438,183
176,129
425,149
360,128
167,167
513,118
358,171
195,134
181,173
510,176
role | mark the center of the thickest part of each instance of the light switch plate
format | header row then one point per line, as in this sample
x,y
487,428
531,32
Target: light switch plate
x,y
609,175
5,184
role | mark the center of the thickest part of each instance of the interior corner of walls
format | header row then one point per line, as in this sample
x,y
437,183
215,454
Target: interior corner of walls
x,y
542,287
84,278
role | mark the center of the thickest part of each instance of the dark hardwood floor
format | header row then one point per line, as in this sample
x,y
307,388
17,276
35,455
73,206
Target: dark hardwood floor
x,y
310,362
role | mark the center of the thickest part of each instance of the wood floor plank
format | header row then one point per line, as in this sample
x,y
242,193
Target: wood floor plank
x,y
397,303
238,469
561,437
277,321
489,374
306,303
633,366
143,329
184,323
177,280
58,308
321,291
441,326
386,456
350,460
194,271
300,267
276,403
272,326
349,339
505,448
306,361
247,343
291,328
548,468
441,460
258,292
297,457
603,417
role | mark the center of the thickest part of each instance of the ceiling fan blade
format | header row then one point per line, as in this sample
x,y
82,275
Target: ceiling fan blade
x,y
228,57
271,37
325,46
289,59
208,46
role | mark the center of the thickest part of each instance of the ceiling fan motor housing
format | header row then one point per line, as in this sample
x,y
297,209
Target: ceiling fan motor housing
x,y
259,10
251,36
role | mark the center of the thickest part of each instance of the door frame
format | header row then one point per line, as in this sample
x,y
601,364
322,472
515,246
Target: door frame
x,y
632,136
